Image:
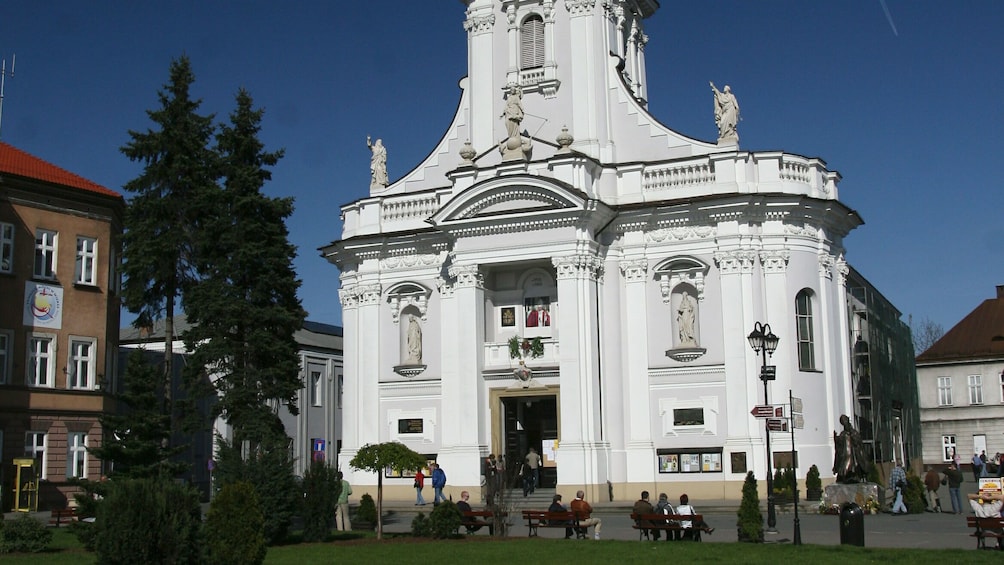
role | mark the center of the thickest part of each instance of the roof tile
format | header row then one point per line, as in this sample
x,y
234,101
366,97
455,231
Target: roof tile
x,y
14,161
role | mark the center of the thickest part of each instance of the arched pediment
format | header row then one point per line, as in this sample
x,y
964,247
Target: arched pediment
x,y
510,196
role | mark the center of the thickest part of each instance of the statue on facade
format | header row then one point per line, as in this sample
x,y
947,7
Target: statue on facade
x,y
849,460
378,163
414,342
726,114
515,145
686,317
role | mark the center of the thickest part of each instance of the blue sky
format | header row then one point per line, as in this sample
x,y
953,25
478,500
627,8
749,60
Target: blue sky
x,y
907,107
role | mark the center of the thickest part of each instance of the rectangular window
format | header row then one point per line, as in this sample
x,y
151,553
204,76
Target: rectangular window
x,y
34,447
975,389
76,455
41,370
948,447
6,247
45,254
1002,386
944,391
315,388
5,341
80,371
688,417
87,258
803,326
341,388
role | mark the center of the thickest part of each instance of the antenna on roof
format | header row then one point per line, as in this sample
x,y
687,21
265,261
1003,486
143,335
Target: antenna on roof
x,y
3,79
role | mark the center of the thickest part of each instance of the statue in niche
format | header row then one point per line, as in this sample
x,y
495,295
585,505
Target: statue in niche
x,y
414,342
726,113
849,460
686,318
378,163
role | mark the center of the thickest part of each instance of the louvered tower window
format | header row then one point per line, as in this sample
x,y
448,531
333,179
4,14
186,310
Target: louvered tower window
x,y
531,48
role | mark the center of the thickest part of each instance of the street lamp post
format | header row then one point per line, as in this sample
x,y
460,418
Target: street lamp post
x,y
763,340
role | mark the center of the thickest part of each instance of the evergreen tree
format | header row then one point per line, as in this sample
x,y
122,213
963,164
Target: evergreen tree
x,y
135,440
243,309
177,182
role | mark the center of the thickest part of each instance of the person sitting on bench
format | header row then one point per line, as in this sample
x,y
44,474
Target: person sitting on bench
x,y
685,509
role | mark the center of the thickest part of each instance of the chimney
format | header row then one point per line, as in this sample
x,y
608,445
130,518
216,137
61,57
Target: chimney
x,y
1000,291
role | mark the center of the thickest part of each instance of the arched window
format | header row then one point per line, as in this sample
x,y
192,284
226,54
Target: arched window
x,y
803,323
531,43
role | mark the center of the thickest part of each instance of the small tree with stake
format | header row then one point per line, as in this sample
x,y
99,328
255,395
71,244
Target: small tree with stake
x,y
390,455
750,523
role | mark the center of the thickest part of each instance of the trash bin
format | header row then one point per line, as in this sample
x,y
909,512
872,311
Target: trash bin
x,y
852,525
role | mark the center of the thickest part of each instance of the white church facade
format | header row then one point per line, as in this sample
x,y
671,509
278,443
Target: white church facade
x,y
585,285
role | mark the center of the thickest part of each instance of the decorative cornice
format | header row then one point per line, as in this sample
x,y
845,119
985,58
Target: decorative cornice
x,y
580,266
580,7
735,261
410,261
479,24
679,234
634,270
775,260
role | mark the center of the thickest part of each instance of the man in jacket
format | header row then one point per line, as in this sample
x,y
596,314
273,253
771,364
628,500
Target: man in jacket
x,y
438,483
954,478
584,509
932,481
643,506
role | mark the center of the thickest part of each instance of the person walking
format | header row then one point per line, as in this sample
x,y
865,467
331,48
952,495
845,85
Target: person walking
x,y
342,510
977,467
897,482
419,485
954,479
532,459
438,483
932,481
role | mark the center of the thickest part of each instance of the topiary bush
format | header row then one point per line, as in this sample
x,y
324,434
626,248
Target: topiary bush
x,y
421,527
235,526
321,488
750,522
444,521
148,521
366,513
813,484
23,535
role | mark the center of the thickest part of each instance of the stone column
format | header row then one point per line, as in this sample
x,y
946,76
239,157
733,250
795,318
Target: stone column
x,y
362,374
634,343
582,455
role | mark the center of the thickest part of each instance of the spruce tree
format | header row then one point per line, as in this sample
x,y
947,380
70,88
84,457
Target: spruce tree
x,y
177,182
243,309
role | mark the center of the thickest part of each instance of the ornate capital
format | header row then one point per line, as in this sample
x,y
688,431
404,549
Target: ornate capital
x,y
826,263
479,24
348,296
369,294
735,261
578,266
842,270
445,287
775,260
467,276
580,7
634,270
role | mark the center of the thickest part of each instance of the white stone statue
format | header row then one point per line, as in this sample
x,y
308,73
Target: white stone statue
x,y
378,163
414,339
514,146
686,316
726,114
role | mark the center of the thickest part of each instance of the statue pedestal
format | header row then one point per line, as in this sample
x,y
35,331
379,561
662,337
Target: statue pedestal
x,y
858,493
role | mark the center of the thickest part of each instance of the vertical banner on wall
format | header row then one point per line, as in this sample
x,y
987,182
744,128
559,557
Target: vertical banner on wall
x,y
317,449
43,305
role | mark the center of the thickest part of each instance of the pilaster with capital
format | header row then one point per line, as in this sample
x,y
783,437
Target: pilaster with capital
x,y
581,266
462,336
735,261
580,7
477,25
634,343
775,260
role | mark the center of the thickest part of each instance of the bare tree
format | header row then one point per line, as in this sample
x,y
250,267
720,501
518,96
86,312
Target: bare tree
x,y
925,333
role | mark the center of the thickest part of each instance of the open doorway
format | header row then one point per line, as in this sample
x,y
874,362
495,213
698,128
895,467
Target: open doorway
x,y
531,421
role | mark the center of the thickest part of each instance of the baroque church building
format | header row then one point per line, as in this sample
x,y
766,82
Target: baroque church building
x,y
585,284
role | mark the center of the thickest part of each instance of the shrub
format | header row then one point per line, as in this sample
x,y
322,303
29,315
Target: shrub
x,y
148,521
23,535
444,521
367,509
812,480
421,527
750,523
913,495
235,526
321,488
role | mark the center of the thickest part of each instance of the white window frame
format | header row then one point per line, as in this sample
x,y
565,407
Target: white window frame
x,y
806,345
78,364
341,388
6,247
45,377
316,384
1001,387
948,446
944,391
975,389
76,455
86,271
6,340
46,249
33,450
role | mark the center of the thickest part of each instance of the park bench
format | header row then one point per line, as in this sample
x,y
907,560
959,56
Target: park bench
x,y
986,528
667,523
472,519
543,519
62,516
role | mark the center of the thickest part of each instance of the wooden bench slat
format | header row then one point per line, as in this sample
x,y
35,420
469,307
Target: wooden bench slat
x,y
666,522
986,528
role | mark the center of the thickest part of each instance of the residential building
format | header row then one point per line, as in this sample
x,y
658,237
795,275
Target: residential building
x,y
565,272
961,383
59,318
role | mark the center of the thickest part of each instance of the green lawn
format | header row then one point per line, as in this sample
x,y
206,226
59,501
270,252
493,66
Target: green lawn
x,y
482,549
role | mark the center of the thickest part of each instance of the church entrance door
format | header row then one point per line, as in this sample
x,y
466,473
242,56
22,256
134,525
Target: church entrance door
x,y
531,420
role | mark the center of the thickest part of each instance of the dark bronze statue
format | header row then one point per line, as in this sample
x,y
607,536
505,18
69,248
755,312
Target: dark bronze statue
x,y
849,462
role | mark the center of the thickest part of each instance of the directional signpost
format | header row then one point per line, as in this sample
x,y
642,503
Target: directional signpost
x,y
767,411
796,422
777,424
